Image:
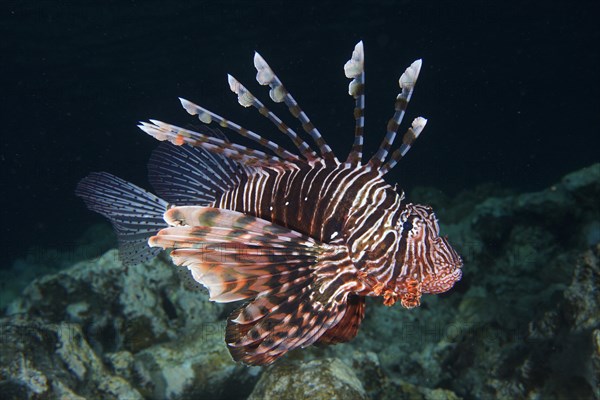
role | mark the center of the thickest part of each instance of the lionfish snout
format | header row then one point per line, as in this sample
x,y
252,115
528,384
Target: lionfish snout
x,y
447,265
430,258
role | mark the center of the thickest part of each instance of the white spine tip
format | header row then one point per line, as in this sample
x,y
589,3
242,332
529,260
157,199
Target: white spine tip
x,y
188,106
259,62
410,76
355,66
264,74
233,83
245,98
419,121
230,79
418,125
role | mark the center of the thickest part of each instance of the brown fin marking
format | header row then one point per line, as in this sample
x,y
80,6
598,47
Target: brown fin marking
x,y
258,323
228,279
228,219
277,322
299,287
234,255
294,322
347,328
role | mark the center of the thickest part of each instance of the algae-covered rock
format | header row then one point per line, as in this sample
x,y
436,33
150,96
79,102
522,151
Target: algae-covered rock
x,y
595,366
196,365
144,324
327,378
554,356
54,361
582,297
118,307
397,389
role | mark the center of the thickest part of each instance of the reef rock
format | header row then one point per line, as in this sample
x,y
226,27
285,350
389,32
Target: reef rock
x,y
196,365
54,361
327,378
556,356
119,308
521,322
141,326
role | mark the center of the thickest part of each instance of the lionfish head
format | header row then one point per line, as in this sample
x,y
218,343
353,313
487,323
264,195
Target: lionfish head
x,y
428,258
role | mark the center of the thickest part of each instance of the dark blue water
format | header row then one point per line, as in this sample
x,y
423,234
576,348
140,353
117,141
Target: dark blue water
x,y
511,92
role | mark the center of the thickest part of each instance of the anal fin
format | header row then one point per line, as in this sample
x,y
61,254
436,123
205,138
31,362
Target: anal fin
x,y
347,328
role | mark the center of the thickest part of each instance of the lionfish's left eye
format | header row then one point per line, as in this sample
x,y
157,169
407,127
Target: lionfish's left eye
x,y
407,225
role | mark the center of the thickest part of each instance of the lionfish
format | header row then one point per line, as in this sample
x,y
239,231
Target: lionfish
x,y
301,236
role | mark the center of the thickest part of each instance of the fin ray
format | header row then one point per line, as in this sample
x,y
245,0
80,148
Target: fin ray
x,y
347,328
407,141
135,213
355,70
207,117
407,83
297,287
186,175
246,99
278,93
179,136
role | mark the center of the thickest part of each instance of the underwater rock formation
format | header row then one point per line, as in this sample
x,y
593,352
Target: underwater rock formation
x,y
54,361
119,308
139,322
322,379
195,366
522,323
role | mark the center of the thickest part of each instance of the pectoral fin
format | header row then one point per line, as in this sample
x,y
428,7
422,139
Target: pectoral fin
x,y
297,287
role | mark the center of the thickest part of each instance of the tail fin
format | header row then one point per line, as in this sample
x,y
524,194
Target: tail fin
x,y
135,213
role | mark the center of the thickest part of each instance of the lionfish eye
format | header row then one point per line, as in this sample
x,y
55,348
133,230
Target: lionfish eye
x,y
407,225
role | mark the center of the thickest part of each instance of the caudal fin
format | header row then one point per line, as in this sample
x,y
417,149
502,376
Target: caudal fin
x,y
135,213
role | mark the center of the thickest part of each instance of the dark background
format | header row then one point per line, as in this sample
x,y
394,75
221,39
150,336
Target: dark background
x,y
510,91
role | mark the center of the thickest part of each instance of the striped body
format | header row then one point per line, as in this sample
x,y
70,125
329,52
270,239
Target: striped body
x,y
317,200
341,204
302,237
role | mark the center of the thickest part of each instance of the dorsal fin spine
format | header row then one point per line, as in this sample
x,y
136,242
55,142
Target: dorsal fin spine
x,y
407,83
